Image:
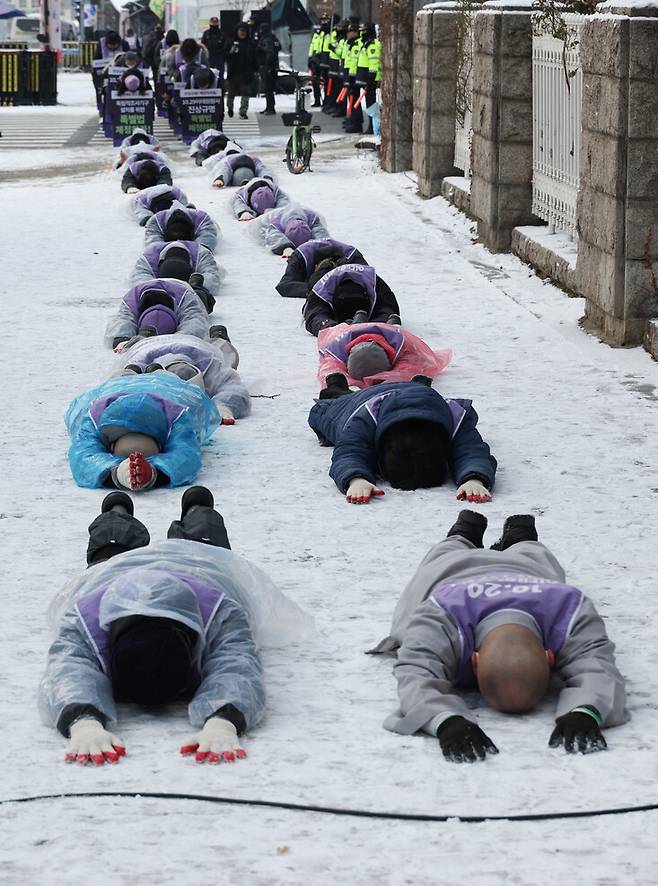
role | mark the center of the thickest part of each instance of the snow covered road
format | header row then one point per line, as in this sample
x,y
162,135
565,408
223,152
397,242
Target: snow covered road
x,y
574,427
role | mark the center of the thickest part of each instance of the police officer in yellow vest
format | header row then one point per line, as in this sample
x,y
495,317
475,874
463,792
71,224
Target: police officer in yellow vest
x,y
334,77
314,50
354,121
369,70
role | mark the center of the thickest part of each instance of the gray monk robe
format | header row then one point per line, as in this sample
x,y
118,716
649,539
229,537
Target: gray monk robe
x,y
458,594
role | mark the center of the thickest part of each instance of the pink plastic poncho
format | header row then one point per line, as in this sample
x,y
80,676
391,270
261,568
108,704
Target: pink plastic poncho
x,y
412,357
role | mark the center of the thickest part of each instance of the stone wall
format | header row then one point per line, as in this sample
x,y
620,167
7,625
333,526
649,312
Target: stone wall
x,y
397,21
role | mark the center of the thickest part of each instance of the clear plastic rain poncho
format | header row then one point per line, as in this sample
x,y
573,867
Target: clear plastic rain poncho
x,y
216,360
157,581
205,265
269,229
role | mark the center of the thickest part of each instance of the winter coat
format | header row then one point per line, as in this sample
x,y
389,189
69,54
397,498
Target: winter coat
x,y
318,309
179,416
241,204
201,259
103,51
211,590
353,425
142,201
271,227
226,166
409,354
191,316
215,41
242,60
302,263
267,51
217,361
134,163
206,230
459,594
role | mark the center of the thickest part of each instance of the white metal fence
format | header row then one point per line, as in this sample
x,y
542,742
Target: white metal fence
x,y
557,90
464,95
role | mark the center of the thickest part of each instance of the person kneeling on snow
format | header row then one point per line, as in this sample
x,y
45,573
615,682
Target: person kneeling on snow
x,y
146,169
351,293
370,353
157,307
140,431
175,621
306,260
406,433
213,363
179,223
283,230
158,199
238,169
257,197
501,621
183,260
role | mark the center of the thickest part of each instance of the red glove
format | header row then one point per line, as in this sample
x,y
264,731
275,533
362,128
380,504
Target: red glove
x,y
141,472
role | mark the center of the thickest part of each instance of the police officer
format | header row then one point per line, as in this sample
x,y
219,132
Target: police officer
x,y
314,64
354,121
368,74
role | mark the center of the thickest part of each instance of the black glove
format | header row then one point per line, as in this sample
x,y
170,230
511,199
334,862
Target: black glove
x,y
464,742
119,339
578,732
195,280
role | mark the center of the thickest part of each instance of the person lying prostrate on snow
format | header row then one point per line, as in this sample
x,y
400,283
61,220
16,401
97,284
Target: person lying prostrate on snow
x,y
404,432
157,307
238,169
179,223
175,621
146,169
255,198
158,199
207,144
283,230
183,260
499,620
140,431
140,140
187,357
305,260
349,293
370,353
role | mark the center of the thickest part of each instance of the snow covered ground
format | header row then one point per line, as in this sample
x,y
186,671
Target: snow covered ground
x,y
574,426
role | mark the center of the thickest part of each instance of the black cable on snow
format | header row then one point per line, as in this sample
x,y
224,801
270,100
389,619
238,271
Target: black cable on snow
x,y
333,810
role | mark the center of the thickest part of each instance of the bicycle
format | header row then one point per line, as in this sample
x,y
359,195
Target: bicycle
x,y
301,143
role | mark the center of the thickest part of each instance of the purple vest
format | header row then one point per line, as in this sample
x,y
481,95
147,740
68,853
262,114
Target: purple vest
x,y
144,198
303,215
235,160
106,52
552,607
364,275
197,216
309,249
88,608
175,288
206,137
152,254
338,347
134,165
172,410
182,62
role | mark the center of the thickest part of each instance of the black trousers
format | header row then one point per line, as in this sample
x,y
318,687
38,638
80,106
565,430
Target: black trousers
x,y
116,532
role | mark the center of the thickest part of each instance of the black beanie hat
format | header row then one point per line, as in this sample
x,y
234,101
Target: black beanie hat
x,y
138,137
349,298
216,144
176,263
413,454
179,227
147,175
151,659
162,202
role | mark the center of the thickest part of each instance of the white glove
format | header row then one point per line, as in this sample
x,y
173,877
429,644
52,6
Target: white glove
x,y
473,490
246,216
217,742
132,191
360,490
218,183
287,252
90,741
135,473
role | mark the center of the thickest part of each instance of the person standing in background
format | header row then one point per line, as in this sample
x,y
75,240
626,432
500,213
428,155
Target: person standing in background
x,y
241,68
215,42
268,49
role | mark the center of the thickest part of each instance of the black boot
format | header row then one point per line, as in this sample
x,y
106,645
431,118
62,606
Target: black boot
x,y
394,320
425,380
520,527
470,525
119,501
218,332
196,495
